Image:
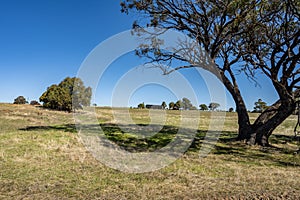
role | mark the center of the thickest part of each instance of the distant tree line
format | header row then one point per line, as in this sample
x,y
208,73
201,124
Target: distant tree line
x,y
183,104
71,94
22,100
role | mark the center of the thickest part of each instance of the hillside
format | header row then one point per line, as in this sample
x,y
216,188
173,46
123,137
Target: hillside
x,y
41,158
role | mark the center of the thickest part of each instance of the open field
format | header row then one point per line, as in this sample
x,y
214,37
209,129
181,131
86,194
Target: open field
x,y
41,158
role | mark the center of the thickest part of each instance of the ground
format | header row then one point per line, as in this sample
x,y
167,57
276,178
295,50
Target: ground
x,y
41,157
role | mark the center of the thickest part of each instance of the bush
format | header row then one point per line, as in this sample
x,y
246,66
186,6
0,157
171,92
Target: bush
x,y
34,103
20,100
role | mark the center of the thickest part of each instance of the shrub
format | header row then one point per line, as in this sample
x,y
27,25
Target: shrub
x,y
34,103
20,100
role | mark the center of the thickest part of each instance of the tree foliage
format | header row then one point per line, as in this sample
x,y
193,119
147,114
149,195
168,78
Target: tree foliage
x,y
70,94
251,37
141,105
20,100
213,106
34,103
203,107
178,105
171,105
260,106
187,104
164,105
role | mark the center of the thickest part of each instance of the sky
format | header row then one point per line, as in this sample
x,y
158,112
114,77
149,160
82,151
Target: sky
x,y
42,42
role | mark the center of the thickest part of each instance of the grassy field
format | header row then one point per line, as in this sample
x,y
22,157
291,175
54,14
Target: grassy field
x,y
41,158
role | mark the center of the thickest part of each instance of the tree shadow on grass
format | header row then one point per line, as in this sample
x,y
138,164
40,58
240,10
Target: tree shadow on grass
x,y
283,139
146,138
276,156
66,128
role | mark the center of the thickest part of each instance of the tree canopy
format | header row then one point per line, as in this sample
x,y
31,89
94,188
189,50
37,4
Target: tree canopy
x,y
171,105
164,105
251,37
213,106
203,107
178,105
260,106
20,100
70,94
141,105
186,104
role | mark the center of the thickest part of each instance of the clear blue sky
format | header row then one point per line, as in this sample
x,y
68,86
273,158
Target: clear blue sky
x,y
44,41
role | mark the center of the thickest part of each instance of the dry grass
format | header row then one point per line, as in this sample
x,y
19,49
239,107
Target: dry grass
x,y
41,158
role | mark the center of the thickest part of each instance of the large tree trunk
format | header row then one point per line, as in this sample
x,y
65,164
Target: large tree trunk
x,y
260,131
268,121
272,117
245,128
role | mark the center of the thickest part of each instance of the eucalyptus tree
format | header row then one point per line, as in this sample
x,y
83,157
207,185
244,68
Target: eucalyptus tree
x,y
239,36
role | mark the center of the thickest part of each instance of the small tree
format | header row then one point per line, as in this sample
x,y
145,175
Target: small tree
x,y
186,104
230,109
203,107
69,94
178,105
213,106
171,105
260,106
141,106
164,105
20,100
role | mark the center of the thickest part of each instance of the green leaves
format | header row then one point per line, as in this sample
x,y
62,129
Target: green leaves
x,y
203,107
213,106
260,106
69,94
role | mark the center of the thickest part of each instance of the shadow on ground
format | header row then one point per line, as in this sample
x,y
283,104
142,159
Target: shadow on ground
x,y
66,128
148,138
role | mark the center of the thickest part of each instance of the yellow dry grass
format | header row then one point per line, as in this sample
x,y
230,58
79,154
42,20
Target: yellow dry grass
x,y
41,158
